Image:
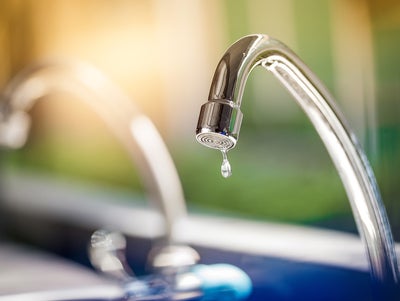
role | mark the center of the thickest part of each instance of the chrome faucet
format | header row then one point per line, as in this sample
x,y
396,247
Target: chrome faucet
x,y
220,120
135,131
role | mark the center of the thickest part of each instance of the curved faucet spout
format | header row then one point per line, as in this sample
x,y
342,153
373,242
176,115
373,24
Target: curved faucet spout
x,y
220,119
134,130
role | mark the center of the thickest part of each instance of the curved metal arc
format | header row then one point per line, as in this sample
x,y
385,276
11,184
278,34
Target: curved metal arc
x,y
134,130
349,159
354,170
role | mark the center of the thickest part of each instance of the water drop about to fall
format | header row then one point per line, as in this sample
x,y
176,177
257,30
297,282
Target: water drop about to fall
x,y
226,169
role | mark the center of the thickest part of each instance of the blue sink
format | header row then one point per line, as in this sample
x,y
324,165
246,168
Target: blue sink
x,y
284,262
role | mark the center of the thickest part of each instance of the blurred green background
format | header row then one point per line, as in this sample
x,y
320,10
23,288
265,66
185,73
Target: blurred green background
x,y
163,54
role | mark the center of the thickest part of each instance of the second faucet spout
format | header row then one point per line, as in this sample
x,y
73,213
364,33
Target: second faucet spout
x,y
135,131
220,120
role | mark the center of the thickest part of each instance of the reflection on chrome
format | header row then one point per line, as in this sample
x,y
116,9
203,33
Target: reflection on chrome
x,y
134,130
220,120
107,253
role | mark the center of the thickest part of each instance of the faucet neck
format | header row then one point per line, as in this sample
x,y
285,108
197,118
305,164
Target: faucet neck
x,y
356,174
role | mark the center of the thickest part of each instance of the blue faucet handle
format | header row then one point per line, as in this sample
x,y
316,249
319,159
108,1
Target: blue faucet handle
x,y
223,282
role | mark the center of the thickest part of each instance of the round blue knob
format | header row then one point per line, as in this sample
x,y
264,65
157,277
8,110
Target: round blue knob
x,y
223,282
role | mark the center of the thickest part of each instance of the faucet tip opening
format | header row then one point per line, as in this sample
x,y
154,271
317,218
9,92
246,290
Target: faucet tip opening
x,y
218,125
14,130
215,140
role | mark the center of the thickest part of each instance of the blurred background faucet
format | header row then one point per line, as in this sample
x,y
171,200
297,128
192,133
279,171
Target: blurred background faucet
x,y
135,131
220,120
177,276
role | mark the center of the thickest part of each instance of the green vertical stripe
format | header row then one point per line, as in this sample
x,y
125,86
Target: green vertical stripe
x,y
237,23
312,21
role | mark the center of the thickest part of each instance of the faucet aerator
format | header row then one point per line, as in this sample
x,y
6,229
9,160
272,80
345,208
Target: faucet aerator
x,y
216,140
219,124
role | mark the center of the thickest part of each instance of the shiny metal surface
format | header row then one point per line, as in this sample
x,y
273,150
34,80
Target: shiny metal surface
x,y
174,258
221,116
107,253
135,131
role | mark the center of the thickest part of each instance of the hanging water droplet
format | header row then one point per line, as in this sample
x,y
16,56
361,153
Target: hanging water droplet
x,y
226,170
